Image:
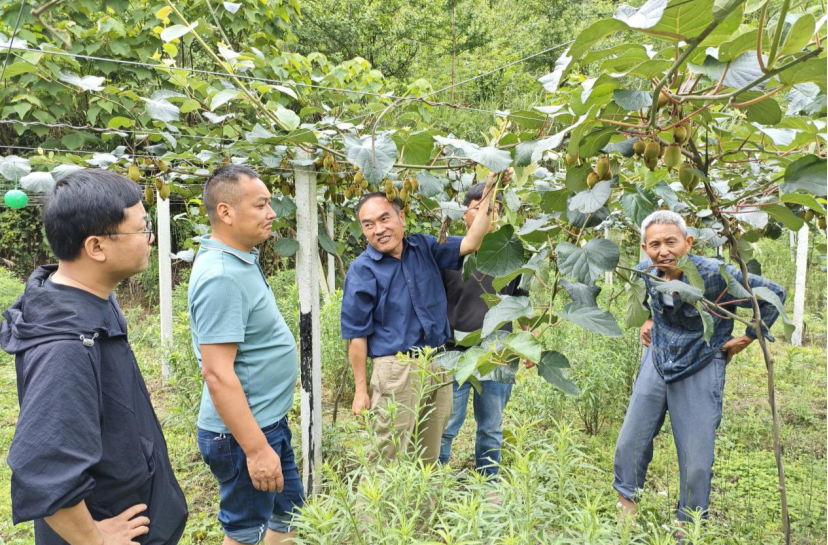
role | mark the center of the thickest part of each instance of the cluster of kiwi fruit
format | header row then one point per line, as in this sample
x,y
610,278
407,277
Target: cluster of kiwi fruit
x,y
651,151
134,174
809,216
600,172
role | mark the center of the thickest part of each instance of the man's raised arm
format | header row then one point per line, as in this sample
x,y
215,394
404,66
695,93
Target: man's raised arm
x,y
474,236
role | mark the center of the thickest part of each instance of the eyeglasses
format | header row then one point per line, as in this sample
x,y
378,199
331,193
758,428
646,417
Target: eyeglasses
x,y
146,231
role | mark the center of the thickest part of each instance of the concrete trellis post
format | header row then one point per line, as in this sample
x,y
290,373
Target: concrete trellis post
x,y
331,259
801,277
310,352
164,278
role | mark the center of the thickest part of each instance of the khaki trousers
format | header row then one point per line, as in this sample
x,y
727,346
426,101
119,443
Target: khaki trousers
x,y
419,412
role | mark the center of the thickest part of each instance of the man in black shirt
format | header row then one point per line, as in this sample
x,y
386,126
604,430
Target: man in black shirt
x,y
89,461
466,310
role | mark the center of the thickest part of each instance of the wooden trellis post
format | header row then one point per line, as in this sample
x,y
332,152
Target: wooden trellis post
x,y
801,278
310,351
164,279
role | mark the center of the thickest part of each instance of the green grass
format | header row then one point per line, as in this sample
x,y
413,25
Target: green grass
x,y
557,475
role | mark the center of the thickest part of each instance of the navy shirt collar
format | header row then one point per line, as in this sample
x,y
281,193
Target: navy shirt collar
x,y
376,255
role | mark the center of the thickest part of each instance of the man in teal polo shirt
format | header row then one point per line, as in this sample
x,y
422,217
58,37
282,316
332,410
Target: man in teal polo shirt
x,y
248,360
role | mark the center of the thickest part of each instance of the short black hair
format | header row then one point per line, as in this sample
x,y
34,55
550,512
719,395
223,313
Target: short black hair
x,y
222,186
376,195
86,203
475,193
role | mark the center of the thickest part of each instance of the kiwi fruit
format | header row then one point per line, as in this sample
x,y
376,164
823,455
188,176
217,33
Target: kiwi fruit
x,y
651,151
638,147
602,168
592,179
149,196
672,157
134,173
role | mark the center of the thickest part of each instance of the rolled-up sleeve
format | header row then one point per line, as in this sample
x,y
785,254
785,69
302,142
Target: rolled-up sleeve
x,y
358,302
58,434
447,255
219,311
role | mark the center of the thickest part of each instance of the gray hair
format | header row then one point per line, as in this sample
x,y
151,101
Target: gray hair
x,y
663,217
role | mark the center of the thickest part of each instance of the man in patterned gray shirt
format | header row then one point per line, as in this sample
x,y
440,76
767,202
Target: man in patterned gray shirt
x,y
680,370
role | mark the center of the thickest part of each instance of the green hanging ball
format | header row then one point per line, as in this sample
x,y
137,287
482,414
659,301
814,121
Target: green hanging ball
x,y
15,199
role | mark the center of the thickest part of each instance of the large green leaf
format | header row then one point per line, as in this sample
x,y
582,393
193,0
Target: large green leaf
x,y
734,288
467,363
764,112
87,83
784,216
807,173
501,252
286,247
592,319
733,48
37,182
531,151
494,159
509,308
581,293
805,97
552,358
686,265
416,147
647,16
375,167
176,31
555,377
811,70
576,177
639,204
632,100
686,292
637,313
588,262
800,33
767,295
13,167
707,321
591,200
283,206
688,19
223,97
743,70
804,200
288,119
431,186
502,281
525,345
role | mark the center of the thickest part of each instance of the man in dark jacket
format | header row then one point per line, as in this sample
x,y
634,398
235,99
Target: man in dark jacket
x,y
466,311
89,461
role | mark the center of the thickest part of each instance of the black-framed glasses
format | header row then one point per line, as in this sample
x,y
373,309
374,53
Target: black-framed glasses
x,y
146,231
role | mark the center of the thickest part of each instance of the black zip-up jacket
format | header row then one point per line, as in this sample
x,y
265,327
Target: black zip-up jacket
x,y
86,429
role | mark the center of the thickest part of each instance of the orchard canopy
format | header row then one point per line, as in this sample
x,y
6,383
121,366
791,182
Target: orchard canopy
x,y
715,109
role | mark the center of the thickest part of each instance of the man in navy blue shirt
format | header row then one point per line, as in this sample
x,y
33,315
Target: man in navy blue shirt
x,y
394,302
681,372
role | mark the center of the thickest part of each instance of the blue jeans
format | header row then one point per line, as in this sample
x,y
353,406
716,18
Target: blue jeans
x,y
488,414
695,405
244,512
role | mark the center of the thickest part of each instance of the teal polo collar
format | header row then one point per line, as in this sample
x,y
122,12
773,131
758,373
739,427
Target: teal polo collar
x,y
207,243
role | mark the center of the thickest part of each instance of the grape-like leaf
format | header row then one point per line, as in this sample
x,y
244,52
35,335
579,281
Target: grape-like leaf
x,y
374,166
588,262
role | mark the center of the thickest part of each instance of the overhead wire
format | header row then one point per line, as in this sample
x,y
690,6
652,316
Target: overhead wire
x,y
334,123
314,86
